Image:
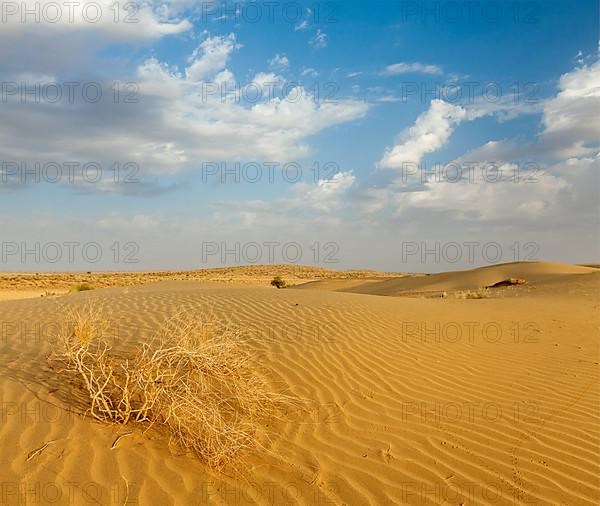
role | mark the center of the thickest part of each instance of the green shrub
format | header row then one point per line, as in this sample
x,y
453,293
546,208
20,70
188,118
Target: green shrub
x,y
278,282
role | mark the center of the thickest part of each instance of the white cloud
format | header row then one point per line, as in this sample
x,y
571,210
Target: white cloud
x,y
114,21
279,61
571,120
561,190
310,72
504,108
210,58
319,41
388,99
416,67
83,29
430,132
486,200
302,25
176,123
267,79
303,205
326,196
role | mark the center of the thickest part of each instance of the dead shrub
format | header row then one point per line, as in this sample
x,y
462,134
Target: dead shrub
x,y
195,379
480,293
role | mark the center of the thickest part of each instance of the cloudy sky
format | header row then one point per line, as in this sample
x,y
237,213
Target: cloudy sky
x,y
402,136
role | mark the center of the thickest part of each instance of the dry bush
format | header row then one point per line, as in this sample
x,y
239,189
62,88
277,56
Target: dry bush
x,y
481,293
195,379
81,287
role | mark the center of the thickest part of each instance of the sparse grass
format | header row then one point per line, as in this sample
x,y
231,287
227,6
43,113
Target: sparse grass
x,y
259,275
49,293
81,287
480,293
195,380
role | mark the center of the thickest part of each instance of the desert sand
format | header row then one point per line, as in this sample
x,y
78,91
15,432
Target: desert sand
x,y
411,399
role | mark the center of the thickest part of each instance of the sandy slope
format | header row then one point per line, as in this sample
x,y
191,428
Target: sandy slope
x,y
399,413
533,272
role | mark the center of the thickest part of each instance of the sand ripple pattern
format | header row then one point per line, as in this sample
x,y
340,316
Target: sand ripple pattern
x,y
392,418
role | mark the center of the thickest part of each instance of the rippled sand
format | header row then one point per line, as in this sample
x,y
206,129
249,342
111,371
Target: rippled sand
x,y
413,399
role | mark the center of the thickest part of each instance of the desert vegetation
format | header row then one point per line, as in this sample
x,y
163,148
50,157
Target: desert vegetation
x,y
81,287
480,293
195,379
277,282
259,275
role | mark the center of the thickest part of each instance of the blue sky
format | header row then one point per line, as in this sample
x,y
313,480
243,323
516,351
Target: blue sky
x,y
369,58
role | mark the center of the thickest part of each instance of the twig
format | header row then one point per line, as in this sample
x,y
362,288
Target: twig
x,y
35,453
119,437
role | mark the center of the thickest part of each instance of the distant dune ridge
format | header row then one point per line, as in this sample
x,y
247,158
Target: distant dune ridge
x,y
409,400
15,285
451,281
26,285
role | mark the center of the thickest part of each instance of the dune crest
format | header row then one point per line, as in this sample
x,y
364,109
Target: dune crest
x,y
532,272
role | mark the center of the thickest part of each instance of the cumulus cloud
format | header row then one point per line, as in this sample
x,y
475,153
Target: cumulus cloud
x,y
181,118
50,36
266,79
551,178
114,21
571,123
486,199
210,57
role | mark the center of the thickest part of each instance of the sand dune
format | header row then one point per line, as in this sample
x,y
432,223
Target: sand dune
x,y
533,272
410,402
15,285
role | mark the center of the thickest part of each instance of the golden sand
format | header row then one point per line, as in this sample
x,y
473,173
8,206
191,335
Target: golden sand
x,y
412,400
